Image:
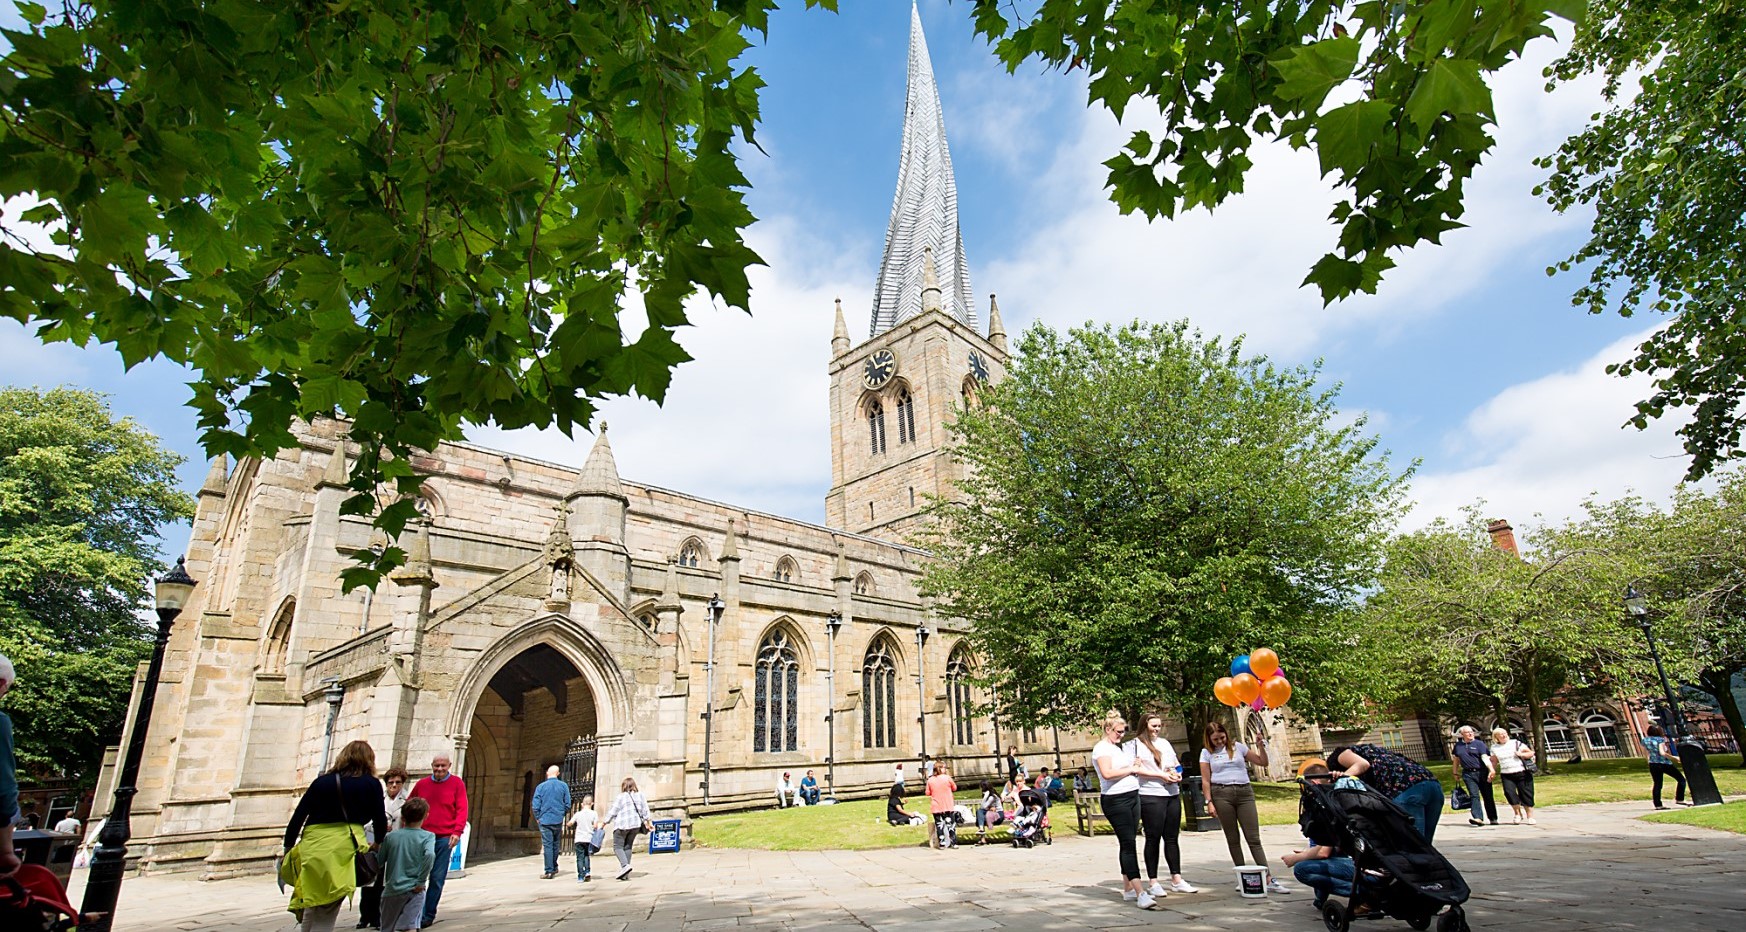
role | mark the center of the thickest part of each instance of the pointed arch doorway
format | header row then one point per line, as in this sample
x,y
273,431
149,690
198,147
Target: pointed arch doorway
x,y
535,711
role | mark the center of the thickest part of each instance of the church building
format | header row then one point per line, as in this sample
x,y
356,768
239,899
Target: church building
x,y
556,613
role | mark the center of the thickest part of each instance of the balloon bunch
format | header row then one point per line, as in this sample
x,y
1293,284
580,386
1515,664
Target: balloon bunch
x,y
1256,681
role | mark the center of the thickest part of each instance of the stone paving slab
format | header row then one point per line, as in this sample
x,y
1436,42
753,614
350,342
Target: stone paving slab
x,y
1582,869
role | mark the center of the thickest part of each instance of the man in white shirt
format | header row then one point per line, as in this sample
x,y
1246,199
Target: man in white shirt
x,y
68,825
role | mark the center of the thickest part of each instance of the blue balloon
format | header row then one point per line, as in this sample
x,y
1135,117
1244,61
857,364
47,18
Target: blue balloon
x,y
1241,665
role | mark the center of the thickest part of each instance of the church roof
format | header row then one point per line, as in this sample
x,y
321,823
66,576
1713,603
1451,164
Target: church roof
x,y
600,472
924,213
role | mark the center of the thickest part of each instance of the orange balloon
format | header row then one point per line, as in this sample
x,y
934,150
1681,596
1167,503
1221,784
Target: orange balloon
x,y
1263,663
1276,692
1222,691
1245,687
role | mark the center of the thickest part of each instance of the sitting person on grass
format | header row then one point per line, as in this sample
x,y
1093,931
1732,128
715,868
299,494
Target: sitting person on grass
x,y
787,794
1321,866
809,789
894,811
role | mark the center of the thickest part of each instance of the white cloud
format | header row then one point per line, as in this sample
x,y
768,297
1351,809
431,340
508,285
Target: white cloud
x,y
1542,446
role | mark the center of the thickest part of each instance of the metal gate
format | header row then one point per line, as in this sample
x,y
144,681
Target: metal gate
x,y
578,766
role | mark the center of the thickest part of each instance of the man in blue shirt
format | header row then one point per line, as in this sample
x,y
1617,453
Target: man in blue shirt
x,y
1471,760
551,805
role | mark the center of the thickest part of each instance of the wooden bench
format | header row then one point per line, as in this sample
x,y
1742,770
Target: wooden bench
x,y
1088,809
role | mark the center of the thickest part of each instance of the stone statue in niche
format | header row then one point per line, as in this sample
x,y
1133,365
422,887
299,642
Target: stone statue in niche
x,y
560,556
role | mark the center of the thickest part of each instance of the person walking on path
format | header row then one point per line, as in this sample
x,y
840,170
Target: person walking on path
x,y
9,861
628,816
551,804
1161,806
1663,762
326,833
943,806
447,795
1400,778
1511,758
395,793
408,853
586,821
1224,767
1013,766
1471,758
1118,776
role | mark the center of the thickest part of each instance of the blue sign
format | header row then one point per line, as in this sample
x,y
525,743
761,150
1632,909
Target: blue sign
x,y
665,838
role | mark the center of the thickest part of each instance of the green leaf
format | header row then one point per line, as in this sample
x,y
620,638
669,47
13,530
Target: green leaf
x,y
1308,72
1345,135
1448,86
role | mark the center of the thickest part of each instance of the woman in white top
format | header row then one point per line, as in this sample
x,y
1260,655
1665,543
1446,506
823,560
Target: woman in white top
x,y
1118,775
1511,757
1161,806
629,814
585,819
1224,771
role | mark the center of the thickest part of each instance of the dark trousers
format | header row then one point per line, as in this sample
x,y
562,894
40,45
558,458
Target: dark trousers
x,y
439,875
1162,818
370,905
584,860
1479,788
1123,812
1657,771
1519,788
1234,804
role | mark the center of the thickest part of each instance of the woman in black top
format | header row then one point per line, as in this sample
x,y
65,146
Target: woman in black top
x,y
895,814
349,794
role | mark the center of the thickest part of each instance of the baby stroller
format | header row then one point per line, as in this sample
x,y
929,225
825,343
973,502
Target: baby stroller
x,y
32,900
1397,873
1031,823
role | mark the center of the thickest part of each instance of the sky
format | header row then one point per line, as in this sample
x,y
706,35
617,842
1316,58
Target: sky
x,y
1470,360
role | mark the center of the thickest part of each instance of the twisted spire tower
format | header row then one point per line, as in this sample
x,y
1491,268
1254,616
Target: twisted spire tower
x,y
924,213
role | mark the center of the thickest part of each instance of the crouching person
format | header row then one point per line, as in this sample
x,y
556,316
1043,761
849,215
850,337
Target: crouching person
x,y
1321,866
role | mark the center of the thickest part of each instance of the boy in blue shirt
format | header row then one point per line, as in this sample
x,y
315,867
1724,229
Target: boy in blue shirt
x,y
408,854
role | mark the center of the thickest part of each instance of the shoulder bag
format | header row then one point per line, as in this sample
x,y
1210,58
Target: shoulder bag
x,y
366,866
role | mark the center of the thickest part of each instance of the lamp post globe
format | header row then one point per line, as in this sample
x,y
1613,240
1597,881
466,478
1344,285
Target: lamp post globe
x,y
335,694
103,886
1692,753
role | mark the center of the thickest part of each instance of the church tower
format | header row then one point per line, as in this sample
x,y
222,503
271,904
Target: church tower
x,y
893,395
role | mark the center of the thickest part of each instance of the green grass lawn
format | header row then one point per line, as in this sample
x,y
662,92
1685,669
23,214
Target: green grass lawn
x,y
860,825
1729,818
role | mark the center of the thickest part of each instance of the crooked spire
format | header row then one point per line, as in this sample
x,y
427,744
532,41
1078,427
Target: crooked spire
x,y
924,213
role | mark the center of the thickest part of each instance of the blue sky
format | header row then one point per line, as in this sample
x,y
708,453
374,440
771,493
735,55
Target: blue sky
x,y
1469,359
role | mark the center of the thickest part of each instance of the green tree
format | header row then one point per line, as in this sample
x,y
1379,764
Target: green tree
x,y
1484,628
83,497
1662,169
1139,505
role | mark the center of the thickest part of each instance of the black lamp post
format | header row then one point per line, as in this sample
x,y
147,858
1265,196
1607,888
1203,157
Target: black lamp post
x,y
833,621
1692,754
921,691
335,694
103,887
712,617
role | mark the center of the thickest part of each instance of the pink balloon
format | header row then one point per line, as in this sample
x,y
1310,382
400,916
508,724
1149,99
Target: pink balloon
x,y
1279,671
1258,705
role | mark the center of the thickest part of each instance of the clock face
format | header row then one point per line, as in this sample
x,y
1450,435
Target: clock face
x,y
978,368
880,367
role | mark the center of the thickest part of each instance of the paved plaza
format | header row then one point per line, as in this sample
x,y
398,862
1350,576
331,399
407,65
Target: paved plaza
x,y
1583,868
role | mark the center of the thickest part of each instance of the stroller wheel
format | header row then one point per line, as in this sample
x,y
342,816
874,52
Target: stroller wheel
x,y
1421,923
1335,917
1455,920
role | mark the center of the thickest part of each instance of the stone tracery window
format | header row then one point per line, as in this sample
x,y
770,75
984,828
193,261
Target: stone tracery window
x,y
876,426
786,570
905,417
775,711
879,696
691,553
864,583
959,699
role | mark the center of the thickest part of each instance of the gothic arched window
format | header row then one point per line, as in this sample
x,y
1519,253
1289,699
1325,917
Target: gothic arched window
x,y
864,583
775,715
786,570
691,553
278,639
879,696
958,698
876,425
905,417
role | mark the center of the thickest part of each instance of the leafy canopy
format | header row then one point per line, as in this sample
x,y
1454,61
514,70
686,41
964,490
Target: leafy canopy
x,y
1139,505
1664,170
1393,95
414,215
82,499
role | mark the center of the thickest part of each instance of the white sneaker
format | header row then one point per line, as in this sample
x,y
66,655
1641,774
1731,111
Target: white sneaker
x,y
1274,886
1147,902
1183,886
625,873
1128,894
1157,889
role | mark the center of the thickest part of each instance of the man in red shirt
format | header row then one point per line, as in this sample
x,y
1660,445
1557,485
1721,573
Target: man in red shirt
x,y
447,796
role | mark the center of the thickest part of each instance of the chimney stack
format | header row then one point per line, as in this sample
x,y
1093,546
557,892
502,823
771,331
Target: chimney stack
x,y
1503,537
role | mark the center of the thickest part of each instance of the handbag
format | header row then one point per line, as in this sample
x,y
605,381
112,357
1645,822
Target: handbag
x,y
1459,799
366,866
598,842
1529,764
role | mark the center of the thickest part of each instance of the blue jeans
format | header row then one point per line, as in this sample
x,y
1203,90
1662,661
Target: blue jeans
x,y
551,835
1326,876
584,860
1424,802
1479,789
439,875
